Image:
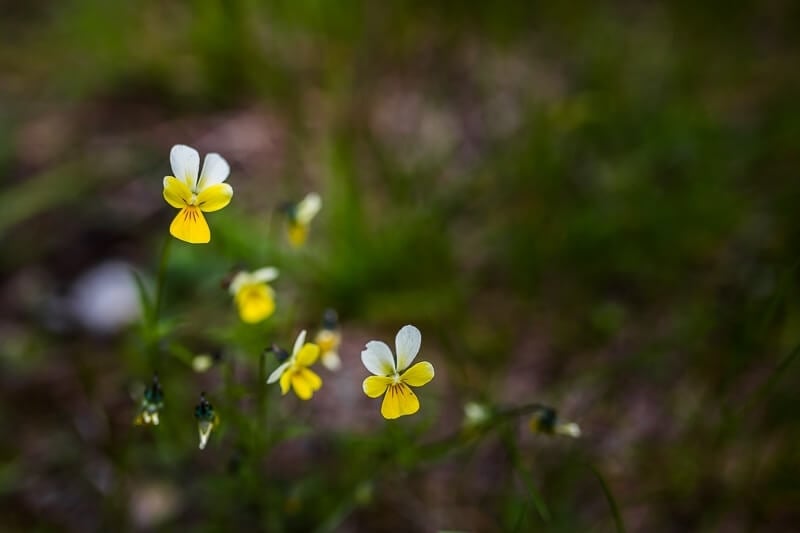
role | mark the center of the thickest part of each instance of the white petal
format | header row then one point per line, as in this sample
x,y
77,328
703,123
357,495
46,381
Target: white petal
x,y
378,359
277,373
185,163
570,429
407,343
265,275
215,170
308,208
239,280
301,340
331,361
204,430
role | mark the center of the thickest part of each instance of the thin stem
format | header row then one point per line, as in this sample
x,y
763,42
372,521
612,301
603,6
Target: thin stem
x,y
266,241
161,278
151,332
262,398
516,462
612,503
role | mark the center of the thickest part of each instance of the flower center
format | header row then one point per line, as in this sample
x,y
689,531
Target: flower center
x,y
395,379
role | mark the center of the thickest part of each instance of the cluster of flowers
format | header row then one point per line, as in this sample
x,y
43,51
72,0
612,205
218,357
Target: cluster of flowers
x,y
195,191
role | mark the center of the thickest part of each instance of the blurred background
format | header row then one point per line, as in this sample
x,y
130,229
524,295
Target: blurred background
x,y
593,207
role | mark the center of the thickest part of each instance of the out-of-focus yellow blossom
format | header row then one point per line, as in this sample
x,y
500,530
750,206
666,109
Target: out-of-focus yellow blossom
x,y
545,420
328,339
194,192
152,402
295,371
254,298
299,216
207,420
394,377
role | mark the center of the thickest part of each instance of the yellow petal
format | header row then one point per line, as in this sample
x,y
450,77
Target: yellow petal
x,y
190,225
328,341
176,193
286,380
305,382
418,375
297,234
312,378
399,400
409,403
256,302
215,197
308,354
374,386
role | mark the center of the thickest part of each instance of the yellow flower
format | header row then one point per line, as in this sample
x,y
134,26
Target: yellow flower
x,y
299,218
194,194
328,339
394,377
254,298
294,371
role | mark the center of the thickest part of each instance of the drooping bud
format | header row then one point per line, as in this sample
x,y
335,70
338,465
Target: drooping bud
x,y
280,354
545,420
330,319
206,419
152,402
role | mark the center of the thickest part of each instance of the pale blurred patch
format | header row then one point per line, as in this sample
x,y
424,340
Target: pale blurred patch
x,y
105,299
154,502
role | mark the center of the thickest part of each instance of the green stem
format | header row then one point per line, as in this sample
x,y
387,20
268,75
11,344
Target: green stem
x,y
151,332
436,449
612,503
516,462
161,278
261,387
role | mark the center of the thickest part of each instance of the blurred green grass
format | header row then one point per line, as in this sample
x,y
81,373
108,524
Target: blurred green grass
x,y
591,206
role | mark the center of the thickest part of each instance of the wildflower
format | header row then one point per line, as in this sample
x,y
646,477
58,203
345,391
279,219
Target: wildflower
x,y
254,298
299,216
393,377
545,420
476,414
294,371
207,419
194,194
328,339
202,362
152,402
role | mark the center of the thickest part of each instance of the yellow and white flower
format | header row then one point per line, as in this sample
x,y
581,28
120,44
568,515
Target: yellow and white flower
x,y
295,371
252,294
299,217
395,377
195,192
328,339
